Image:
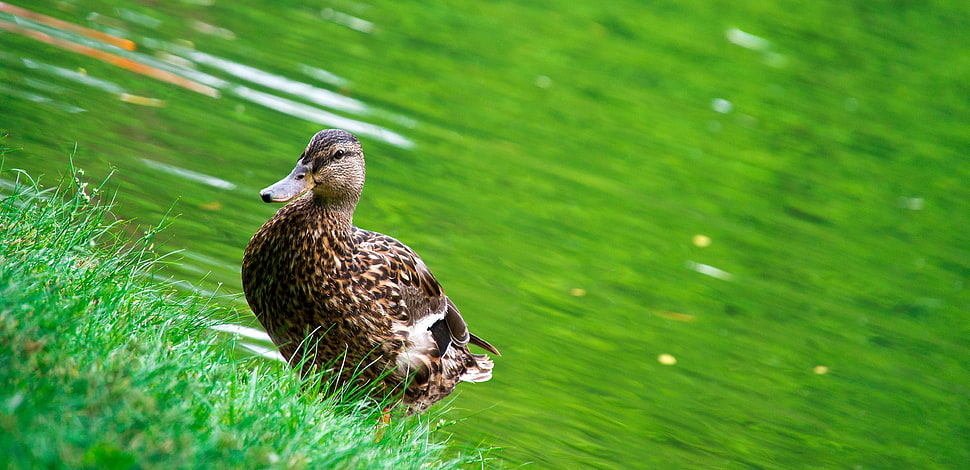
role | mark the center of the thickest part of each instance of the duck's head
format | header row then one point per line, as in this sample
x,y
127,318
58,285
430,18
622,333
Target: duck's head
x,y
332,167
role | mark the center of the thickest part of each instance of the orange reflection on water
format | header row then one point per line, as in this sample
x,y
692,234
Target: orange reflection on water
x,y
66,26
108,57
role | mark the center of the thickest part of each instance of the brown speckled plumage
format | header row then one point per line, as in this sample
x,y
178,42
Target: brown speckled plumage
x,y
359,302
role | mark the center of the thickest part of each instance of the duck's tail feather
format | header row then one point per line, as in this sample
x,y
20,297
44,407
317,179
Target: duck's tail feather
x,y
482,344
480,371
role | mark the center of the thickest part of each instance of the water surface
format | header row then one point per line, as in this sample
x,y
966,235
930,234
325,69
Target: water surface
x,y
704,235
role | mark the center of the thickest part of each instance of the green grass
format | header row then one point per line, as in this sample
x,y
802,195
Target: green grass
x,y
106,367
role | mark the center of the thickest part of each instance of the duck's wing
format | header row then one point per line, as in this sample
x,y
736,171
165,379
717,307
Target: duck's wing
x,y
441,317
430,316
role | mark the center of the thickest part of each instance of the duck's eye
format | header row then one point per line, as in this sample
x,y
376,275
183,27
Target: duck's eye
x,y
339,154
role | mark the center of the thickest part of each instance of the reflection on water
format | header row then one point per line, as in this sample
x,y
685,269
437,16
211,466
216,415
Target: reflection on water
x,y
106,47
14,92
322,117
138,18
324,76
352,22
258,341
189,174
709,270
212,30
24,16
316,95
750,41
76,77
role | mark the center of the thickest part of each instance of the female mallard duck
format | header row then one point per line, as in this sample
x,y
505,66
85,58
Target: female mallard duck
x,y
332,295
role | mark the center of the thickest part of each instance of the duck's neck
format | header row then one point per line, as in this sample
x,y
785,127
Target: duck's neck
x,y
344,205
336,218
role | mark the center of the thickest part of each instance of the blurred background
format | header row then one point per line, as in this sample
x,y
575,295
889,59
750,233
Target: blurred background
x,y
704,234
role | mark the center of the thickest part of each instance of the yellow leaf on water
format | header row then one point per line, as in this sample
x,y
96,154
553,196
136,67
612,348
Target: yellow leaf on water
x,y
684,317
666,359
702,241
142,100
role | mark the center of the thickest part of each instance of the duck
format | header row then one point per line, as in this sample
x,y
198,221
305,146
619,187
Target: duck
x,y
356,304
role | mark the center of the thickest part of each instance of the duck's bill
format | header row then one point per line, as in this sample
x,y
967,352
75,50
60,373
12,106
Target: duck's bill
x,y
298,182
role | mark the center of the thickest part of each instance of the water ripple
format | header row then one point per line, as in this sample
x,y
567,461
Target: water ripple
x,y
253,75
322,117
189,174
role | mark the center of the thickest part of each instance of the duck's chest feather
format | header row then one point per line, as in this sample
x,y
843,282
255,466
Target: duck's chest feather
x,y
308,268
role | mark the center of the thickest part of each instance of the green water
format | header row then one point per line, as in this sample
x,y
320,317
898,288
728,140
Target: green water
x,y
554,164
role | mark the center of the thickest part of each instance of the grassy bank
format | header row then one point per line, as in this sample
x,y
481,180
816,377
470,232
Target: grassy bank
x,y
104,367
